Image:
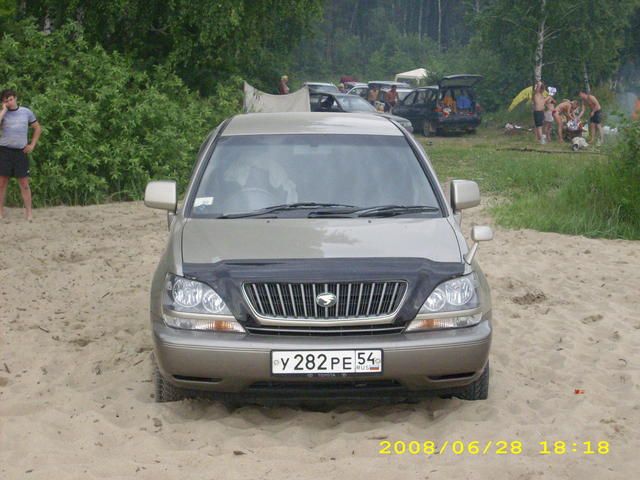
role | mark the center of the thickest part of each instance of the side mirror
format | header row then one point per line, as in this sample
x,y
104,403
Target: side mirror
x,y
464,194
479,233
161,194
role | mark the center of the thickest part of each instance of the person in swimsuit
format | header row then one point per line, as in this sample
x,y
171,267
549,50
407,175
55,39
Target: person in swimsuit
x,y
595,118
564,108
549,106
538,111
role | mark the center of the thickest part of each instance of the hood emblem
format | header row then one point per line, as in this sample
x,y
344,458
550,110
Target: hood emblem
x,y
326,299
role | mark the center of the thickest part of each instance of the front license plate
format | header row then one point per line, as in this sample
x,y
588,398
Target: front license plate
x,y
318,362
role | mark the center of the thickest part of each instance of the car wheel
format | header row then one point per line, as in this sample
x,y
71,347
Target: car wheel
x,y
165,391
428,129
478,390
472,131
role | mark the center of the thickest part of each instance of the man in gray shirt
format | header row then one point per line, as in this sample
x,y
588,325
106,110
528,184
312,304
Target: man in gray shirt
x,y
14,147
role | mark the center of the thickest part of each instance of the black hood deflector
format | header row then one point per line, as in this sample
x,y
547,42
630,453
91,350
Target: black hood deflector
x,y
422,275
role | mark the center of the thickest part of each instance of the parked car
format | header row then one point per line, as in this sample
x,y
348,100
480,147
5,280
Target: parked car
x,y
449,106
316,256
330,102
319,87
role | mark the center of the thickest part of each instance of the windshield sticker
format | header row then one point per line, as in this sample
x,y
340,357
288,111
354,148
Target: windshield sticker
x,y
203,201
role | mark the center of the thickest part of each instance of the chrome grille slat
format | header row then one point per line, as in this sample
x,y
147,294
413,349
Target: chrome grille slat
x,y
304,302
273,310
257,296
373,288
293,302
354,300
393,298
384,287
315,304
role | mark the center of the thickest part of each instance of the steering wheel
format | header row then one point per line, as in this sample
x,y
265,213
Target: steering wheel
x,y
251,198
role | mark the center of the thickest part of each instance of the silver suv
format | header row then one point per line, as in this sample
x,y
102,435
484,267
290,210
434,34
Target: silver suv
x,y
316,256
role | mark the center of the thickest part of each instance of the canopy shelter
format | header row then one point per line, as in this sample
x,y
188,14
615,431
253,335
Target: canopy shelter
x,y
258,101
417,76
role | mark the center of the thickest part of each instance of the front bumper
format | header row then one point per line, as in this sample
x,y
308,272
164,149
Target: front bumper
x,y
228,363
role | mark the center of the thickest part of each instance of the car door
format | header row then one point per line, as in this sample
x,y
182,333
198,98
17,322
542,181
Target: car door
x,y
405,108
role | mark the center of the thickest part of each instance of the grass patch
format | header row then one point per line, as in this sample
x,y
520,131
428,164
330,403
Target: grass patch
x,y
551,189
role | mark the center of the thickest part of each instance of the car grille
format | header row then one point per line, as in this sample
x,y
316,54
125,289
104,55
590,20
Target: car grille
x,y
298,300
384,329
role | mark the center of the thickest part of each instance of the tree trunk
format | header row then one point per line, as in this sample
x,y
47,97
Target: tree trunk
x,y
537,69
420,20
439,24
47,28
353,16
476,6
587,85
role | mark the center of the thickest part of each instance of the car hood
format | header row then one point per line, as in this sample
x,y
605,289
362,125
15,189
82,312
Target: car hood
x,y
215,240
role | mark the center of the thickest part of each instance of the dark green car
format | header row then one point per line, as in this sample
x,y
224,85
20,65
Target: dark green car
x,y
450,106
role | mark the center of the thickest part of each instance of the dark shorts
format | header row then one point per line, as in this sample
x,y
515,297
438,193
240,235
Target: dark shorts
x,y
13,163
595,118
538,118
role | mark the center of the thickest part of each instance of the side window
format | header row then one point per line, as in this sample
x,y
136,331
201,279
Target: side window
x,y
422,97
410,98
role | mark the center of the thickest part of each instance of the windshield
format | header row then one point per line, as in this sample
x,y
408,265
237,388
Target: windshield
x,y
247,173
355,104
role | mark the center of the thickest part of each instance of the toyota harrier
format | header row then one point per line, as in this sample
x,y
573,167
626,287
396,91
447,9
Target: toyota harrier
x,y
315,255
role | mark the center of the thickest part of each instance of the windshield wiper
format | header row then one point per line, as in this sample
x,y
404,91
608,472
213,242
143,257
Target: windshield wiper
x,y
286,207
393,210
379,211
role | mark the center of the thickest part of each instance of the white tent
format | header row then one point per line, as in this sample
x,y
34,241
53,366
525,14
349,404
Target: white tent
x,y
258,101
413,76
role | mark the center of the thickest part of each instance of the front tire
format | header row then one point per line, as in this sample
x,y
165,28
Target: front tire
x,y
478,390
165,391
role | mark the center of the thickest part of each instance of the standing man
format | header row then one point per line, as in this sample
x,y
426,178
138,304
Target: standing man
x,y
372,95
391,99
595,118
283,87
538,111
14,147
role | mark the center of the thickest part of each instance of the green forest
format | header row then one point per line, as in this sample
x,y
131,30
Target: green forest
x,y
126,90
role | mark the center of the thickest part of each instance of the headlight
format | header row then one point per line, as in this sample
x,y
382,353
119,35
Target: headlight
x,y
192,305
458,295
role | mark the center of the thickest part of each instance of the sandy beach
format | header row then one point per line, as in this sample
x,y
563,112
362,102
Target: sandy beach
x,y
76,398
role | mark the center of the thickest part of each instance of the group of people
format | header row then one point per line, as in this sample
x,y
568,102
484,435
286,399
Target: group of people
x,y
389,98
15,122
567,113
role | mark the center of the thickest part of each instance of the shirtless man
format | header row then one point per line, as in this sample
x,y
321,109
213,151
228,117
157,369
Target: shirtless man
x,y
538,110
564,108
549,105
594,117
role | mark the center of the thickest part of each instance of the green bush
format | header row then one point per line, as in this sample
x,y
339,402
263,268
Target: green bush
x,y
107,128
